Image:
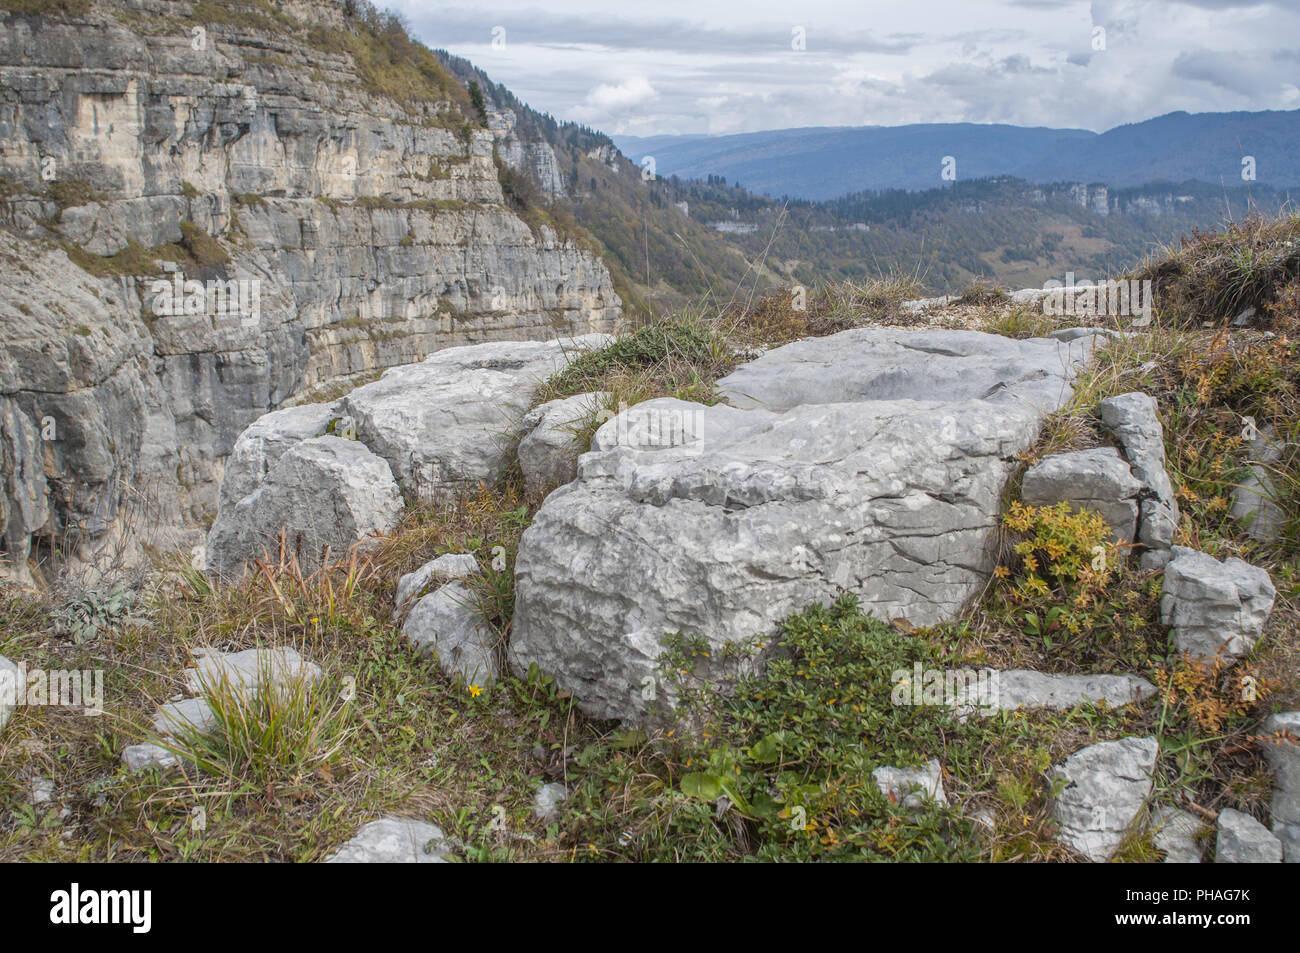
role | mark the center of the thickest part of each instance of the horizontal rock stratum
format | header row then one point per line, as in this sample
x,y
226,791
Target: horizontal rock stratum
x,y
870,461
358,232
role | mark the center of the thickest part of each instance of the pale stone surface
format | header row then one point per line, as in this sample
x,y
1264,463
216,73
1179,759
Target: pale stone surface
x,y
1254,500
1134,419
912,787
324,492
546,804
1106,786
1244,840
1023,688
889,364
445,425
444,568
243,673
187,716
265,441
1282,750
720,521
448,624
1175,832
143,757
1289,836
12,689
548,449
1098,480
1215,608
250,669
394,840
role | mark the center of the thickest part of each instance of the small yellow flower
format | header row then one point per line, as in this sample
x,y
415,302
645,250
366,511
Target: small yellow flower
x,y
475,691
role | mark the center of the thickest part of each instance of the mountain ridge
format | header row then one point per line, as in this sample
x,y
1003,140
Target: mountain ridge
x,y
824,162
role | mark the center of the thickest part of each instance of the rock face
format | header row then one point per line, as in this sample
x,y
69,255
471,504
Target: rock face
x,y
446,623
1098,480
326,493
12,689
548,446
1216,608
1106,786
446,424
367,234
394,840
1134,419
1244,840
857,463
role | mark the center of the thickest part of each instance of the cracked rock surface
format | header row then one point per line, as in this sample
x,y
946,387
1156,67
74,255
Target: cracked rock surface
x,y
1106,785
855,463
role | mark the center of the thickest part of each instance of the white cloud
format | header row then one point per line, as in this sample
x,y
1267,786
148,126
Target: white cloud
x,y
680,66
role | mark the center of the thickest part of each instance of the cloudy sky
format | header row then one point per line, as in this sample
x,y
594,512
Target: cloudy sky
x,y
722,66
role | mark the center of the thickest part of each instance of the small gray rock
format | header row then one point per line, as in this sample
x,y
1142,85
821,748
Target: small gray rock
x,y
547,802
143,757
1244,840
1024,688
1106,786
1175,832
42,791
446,623
1254,500
1214,607
1134,419
1098,479
1282,751
1289,835
394,840
249,669
548,449
12,689
443,569
912,787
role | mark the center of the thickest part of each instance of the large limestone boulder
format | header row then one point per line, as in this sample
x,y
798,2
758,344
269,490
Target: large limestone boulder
x,y
1216,608
1098,480
325,493
720,521
446,424
1105,786
260,447
888,364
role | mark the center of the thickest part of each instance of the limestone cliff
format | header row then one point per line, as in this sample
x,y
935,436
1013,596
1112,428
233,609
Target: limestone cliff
x,y
209,210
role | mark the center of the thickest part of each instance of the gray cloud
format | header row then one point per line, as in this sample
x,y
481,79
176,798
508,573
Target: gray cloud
x,y
457,25
684,67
